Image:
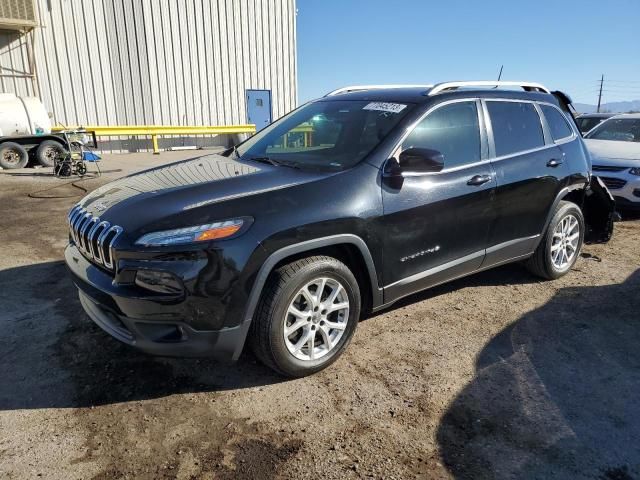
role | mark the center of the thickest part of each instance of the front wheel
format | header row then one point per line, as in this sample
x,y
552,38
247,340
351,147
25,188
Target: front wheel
x,y
560,246
307,315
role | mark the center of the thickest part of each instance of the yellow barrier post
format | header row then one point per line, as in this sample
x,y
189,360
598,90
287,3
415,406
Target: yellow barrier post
x,y
154,140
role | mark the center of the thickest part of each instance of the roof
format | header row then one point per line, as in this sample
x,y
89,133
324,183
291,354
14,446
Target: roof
x,y
627,115
425,93
420,95
596,115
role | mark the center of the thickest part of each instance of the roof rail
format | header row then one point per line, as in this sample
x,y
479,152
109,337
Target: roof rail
x,y
528,86
355,88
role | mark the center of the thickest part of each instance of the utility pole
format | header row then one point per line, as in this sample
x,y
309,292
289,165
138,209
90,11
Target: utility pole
x,y
600,94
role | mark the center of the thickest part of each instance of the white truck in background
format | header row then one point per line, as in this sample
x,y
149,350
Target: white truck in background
x,y
25,133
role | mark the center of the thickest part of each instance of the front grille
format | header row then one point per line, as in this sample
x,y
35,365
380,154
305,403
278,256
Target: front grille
x,y
613,183
94,238
603,168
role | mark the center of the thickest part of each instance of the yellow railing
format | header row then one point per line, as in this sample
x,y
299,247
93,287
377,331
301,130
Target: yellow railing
x,y
154,130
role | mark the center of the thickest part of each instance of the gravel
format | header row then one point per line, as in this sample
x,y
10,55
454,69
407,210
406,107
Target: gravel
x,y
498,375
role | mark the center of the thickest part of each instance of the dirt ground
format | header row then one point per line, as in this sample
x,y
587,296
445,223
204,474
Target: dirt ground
x,y
499,375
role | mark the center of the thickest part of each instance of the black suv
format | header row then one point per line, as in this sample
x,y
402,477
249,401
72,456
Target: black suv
x,y
341,207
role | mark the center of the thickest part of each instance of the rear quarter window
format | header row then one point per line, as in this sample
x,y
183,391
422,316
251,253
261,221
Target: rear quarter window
x,y
516,127
557,122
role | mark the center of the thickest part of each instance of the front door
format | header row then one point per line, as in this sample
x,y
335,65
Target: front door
x,y
436,225
259,108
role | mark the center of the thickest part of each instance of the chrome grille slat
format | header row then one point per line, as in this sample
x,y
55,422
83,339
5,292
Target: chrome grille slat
x,y
86,228
79,224
74,225
94,234
93,237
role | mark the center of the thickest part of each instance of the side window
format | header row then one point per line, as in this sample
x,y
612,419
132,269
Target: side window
x,y
516,127
557,123
452,130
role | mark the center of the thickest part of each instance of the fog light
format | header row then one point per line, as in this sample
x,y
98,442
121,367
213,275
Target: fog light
x,y
636,192
158,281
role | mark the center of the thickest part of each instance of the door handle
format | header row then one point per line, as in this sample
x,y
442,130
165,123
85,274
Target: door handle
x,y
477,180
554,162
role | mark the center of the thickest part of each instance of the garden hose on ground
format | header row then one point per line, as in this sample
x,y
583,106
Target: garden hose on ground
x,y
73,183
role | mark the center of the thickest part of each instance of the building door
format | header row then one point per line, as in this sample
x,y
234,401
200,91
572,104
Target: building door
x,y
259,108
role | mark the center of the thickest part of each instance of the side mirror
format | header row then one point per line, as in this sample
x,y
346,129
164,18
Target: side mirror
x,y
415,161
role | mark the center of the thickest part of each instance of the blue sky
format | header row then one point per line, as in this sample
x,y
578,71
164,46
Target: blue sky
x,y
565,44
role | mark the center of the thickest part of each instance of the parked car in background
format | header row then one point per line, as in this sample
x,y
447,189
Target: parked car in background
x,y
587,121
285,239
615,154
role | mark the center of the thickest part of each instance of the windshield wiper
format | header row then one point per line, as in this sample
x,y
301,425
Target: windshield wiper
x,y
273,161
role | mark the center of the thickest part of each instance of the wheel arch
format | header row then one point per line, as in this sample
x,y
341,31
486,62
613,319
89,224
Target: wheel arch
x,y
574,195
348,248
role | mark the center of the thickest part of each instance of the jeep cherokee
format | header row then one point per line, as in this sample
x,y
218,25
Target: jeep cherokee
x,y
343,206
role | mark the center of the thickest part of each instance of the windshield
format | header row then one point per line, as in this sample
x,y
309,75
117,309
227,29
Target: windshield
x,y
620,129
325,134
587,123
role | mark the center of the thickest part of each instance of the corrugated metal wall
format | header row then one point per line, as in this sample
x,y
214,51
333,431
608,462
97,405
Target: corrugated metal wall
x,y
164,62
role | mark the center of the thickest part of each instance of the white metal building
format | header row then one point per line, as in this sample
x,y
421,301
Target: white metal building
x,y
151,62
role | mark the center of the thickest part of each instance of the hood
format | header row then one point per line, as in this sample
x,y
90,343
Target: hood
x,y
192,185
613,153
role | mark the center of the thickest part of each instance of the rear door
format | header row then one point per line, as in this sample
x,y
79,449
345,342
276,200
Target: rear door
x,y
435,225
530,170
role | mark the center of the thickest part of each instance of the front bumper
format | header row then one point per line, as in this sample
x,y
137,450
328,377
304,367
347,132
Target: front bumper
x,y
148,323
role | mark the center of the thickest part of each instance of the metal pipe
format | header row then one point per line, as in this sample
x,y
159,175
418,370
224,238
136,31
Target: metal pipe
x,y
154,130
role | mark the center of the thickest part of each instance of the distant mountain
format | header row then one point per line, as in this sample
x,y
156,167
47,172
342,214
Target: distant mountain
x,y
613,107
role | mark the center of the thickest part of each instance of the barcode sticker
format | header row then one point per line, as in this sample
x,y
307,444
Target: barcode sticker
x,y
385,107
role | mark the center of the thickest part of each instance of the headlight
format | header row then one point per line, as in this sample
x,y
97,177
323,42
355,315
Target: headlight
x,y
200,233
635,171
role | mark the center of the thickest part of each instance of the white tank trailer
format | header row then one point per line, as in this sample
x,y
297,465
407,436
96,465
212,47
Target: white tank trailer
x,y
25,133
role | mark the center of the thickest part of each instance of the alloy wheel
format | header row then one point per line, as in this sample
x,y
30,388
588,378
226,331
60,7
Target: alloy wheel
x,y
564,244
316,319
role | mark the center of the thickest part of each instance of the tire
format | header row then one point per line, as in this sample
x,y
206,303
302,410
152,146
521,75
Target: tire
x,y
547,261
62,169
282,291
81,169
13,156
47,152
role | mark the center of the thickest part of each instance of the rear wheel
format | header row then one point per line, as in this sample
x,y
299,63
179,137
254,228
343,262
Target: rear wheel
x,y
307,315
13,155
561,243
48,151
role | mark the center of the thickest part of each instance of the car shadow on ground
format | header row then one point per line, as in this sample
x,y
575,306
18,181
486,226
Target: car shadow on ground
x,y
556,394
52,355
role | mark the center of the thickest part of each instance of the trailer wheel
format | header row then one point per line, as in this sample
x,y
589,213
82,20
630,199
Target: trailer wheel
x,y
48,151
13,155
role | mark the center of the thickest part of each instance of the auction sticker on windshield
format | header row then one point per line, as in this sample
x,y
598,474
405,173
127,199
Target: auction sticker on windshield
x,y
385,107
